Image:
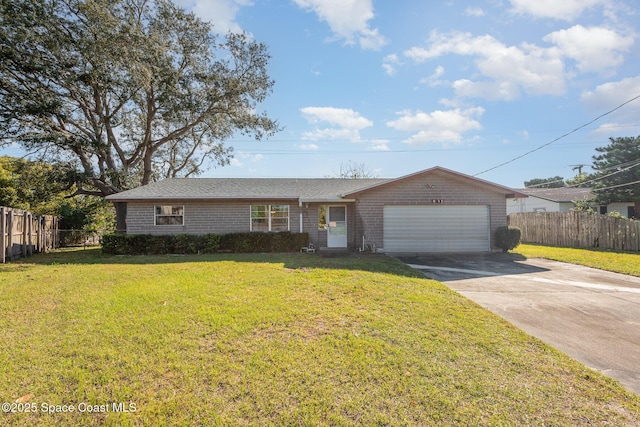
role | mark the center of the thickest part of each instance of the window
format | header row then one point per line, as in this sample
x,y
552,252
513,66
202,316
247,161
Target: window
x,y
259,218
169,215
322,217
269,217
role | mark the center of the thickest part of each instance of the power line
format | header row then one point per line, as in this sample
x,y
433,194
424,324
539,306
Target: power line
x,y
627,166
616,186
560,137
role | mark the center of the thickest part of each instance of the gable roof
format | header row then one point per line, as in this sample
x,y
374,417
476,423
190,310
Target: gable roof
x,y
301,189
448,172
561,194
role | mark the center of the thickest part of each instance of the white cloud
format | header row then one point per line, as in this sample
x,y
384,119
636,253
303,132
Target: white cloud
x,y
348,19
346,123
438,126
389,64
556,9
608,96
611,94
474,11
309,147
594,48
434,79
221,13
253,158
535,70
505,91
379,145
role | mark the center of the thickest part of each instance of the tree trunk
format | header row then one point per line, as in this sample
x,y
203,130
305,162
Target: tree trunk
x,y
121,217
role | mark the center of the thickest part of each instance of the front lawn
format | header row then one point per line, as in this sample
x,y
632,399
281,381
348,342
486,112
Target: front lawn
x,y
274,340
616,261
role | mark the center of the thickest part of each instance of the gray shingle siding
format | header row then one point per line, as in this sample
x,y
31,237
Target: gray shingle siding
x,y
203,217
422,190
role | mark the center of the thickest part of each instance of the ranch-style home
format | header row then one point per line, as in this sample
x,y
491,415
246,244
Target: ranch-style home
x,y
434,210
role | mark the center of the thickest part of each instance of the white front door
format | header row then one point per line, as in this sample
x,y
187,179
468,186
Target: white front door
x,y
337,226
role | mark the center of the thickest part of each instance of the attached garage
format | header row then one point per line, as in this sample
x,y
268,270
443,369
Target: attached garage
x,y
441,228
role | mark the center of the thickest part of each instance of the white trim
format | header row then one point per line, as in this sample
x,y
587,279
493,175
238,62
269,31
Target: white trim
x,y
268,218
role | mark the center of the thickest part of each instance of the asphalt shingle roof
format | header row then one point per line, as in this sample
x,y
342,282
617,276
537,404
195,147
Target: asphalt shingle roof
x,y
247,188
562,194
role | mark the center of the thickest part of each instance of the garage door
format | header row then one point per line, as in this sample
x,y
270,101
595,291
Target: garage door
x,y
436,228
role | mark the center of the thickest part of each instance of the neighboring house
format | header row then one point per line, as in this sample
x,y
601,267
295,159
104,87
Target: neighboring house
x,y
561,200
435,210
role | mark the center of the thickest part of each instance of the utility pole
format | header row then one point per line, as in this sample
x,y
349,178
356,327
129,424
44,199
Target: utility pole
x,y
579,168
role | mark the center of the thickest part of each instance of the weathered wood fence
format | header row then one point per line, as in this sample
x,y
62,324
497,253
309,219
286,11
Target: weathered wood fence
x,y
23,234
578,229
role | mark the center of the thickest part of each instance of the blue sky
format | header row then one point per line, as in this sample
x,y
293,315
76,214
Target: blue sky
x,y
405,85
402,86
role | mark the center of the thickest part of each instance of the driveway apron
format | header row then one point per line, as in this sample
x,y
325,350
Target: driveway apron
x,y
591,315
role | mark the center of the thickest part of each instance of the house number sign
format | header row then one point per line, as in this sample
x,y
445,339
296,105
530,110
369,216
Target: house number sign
x,y
437,201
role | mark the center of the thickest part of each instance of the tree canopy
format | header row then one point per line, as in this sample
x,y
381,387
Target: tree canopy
x,y
129,90
43,189
618,171
553,182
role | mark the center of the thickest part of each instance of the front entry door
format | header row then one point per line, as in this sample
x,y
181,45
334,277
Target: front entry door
x,y
337,226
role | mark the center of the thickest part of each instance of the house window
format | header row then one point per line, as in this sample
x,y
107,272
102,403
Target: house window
x,y
322,217
169,215
269,217
603,209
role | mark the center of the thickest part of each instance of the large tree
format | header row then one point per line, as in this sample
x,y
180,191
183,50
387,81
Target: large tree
x,y
132,90
553,182
618,170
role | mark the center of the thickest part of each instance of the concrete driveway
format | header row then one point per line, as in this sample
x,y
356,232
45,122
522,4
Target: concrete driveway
x,y
592,315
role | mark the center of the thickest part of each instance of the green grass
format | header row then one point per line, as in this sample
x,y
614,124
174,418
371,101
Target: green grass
x,y
616,261
276,340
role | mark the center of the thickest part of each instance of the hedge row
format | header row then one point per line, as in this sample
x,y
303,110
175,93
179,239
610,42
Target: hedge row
x,y
147,244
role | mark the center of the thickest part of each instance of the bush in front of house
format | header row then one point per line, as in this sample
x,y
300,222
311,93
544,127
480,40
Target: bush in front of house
x,y
507,238
147,244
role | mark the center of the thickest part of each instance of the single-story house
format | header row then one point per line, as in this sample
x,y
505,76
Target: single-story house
x,y
561,200
434,210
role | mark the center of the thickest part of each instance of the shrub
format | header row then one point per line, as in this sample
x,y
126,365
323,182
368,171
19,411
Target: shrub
x,y
507,238
147,244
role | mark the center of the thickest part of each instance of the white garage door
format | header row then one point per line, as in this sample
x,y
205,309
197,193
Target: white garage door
x,y
436,229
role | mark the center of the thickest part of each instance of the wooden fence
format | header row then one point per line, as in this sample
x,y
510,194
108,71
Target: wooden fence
x,y
578,230
23,234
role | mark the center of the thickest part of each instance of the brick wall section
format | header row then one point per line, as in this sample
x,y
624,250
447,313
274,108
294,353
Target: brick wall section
x,y
421,190
203,217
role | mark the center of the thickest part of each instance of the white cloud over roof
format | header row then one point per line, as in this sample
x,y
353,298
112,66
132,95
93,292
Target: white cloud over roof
x,y
535,70
345,123
439,126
